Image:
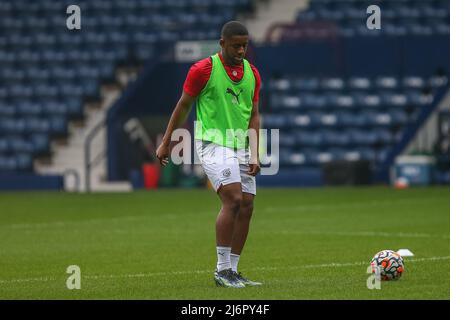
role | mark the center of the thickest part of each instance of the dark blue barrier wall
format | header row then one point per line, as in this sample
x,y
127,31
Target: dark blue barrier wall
x,y
19,181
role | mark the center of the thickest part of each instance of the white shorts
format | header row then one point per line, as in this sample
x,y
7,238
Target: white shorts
x,y
225,165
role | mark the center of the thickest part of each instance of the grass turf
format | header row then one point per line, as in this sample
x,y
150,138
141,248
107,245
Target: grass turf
x,y
303,244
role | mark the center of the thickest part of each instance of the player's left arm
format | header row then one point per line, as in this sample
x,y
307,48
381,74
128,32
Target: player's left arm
x,y
254,140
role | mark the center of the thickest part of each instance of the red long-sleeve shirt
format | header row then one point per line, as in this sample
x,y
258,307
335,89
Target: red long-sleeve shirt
x,y
200,72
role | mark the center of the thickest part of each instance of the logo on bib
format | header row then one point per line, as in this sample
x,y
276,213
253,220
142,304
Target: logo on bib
x,y
235,99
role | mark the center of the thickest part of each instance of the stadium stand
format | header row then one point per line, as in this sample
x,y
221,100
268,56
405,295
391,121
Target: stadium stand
x,y
400,17
325,119
48,73
354,93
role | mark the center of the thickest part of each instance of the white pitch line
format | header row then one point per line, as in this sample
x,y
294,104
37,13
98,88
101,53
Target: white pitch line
x,y
367,234
349,205
157,274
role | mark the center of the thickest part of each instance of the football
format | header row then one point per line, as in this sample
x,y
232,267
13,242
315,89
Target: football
x,y
389,264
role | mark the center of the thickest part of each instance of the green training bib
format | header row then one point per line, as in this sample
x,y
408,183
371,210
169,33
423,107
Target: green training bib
x,y
224,107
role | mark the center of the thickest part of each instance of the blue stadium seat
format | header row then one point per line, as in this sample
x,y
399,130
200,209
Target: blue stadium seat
x,y
367,100
311,119
367,154
384,136
62,74
310,138
359,83
332,84
90,88
12,75
13,25
53,56
380,119
442,28
38,75
20,42
24,161
117,38
416,98
289,157
37,125
7,163
70,90
27,107
329,120
336,138
320,157
29,58
275,101
287,139
101,6
334,15
7,58
7,110
108,22
413,82
46,91
349,155
290,101
382,154
4,145
58,125
304,84
21,91
393,99
144,52
314,101
344,101
348,119
399,117
36,24
11,126
6,10
18,144
275,121
279,85
362,137
74,106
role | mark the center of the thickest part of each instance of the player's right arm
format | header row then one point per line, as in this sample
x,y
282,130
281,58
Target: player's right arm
x,y
177,118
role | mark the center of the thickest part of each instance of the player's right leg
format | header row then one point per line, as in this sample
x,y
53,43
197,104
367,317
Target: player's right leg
x,y
231,197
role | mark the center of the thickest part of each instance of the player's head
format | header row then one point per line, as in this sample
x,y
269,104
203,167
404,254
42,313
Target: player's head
x,y
234,42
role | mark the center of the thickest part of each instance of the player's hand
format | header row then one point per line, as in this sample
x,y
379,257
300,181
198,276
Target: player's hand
x,y
162,153
255,168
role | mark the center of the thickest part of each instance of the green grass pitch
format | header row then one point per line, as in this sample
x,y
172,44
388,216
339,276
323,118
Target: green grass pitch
x,y
303,244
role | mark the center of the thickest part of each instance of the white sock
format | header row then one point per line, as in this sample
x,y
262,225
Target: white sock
x,y
234,261
223,258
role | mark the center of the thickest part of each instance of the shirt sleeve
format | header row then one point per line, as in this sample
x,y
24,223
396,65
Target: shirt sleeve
x,y
197,77
257,83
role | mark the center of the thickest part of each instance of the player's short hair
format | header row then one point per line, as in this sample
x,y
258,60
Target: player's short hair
x,y
233,28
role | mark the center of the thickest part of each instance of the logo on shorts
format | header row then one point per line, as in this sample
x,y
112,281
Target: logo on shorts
x,y
226,172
